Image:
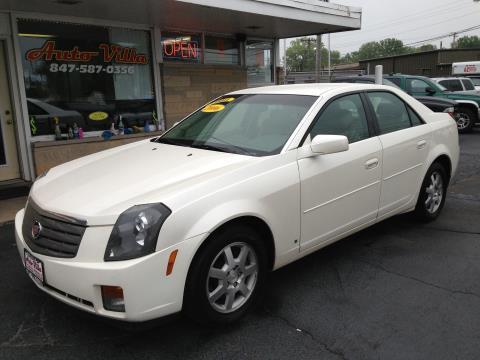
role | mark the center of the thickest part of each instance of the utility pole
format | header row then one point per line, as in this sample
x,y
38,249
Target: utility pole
x,y
454,44
318,58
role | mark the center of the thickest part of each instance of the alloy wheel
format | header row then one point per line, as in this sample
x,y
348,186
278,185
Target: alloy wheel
x,y
463,121
232,277
434,191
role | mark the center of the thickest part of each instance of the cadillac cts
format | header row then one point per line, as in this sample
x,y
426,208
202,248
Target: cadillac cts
x,y
195,219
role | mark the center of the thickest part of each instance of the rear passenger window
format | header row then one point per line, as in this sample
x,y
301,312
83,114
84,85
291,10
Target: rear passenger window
x,y
343,116
452,85
468,84
391,112
414,119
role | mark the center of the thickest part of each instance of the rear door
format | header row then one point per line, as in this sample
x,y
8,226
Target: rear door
x,y
340,192
405,140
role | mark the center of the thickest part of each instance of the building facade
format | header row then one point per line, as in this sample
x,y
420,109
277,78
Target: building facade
x,y
71,70
433,63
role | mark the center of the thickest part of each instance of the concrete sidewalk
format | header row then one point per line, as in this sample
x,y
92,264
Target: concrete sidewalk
x,y
9,207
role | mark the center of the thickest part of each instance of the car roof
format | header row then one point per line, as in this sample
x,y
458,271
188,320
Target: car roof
x,y
314,89
451,78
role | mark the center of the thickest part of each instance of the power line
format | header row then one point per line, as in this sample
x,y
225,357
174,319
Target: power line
x,y
444,36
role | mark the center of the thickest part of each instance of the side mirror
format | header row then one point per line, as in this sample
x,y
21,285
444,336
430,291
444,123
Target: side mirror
x,y
430,90
329,144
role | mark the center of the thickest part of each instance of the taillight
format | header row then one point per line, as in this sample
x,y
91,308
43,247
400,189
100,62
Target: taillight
x,y
450,111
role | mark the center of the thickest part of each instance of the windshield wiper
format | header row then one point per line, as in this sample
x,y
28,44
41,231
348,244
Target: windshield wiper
x,y
210,147
170,142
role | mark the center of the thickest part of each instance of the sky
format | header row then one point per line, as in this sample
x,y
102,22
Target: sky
x,y
409,21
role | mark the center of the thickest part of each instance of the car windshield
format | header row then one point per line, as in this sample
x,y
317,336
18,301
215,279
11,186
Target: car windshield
x,y
255,125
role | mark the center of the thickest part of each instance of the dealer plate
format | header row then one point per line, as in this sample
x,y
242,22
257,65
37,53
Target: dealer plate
x,y
34,268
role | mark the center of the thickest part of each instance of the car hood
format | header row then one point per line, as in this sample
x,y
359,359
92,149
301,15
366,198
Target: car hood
x,y
97,188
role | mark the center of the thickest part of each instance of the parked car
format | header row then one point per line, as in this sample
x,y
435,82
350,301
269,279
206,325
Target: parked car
x,y
433,103
457,84
258,178
468,114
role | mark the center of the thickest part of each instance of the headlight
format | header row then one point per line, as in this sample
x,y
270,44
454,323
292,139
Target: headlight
x,y
136,231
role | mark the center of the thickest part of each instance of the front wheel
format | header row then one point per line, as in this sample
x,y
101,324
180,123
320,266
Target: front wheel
x,y
432,194
227,276
465,119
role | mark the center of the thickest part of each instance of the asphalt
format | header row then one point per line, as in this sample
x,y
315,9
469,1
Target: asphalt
x,y
398,290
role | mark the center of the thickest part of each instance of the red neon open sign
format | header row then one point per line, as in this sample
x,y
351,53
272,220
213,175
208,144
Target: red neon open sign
x,y
185,48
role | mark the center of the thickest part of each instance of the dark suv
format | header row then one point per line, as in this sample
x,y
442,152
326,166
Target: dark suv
x,y
468,113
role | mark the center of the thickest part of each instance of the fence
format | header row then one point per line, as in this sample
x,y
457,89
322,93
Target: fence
x,y
311,77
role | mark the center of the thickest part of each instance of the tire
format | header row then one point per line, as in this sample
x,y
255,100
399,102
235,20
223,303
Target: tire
x,y
224,296
431,198
465,119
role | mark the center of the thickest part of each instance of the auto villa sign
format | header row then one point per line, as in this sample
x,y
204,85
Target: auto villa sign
x,y
106,52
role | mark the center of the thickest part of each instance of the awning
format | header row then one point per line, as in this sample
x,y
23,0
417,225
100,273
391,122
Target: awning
x,y
260,18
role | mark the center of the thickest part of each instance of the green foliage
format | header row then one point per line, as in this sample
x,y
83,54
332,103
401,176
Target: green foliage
x,y
301,55
426,47
468,42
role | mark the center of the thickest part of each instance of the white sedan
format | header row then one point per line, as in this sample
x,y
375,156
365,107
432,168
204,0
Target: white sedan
x,y
258,178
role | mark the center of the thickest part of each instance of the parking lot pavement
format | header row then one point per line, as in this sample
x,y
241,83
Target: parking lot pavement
x,y
398,290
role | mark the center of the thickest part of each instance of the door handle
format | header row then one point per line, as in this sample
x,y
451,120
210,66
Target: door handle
x,y
371,164
421,144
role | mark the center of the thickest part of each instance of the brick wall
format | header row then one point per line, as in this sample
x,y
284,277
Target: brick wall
x,y
188,86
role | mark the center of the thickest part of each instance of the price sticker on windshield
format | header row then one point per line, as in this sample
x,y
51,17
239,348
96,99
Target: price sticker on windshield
x,y
213,108
224,100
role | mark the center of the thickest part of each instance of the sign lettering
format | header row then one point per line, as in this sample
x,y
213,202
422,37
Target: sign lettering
x,y
107,52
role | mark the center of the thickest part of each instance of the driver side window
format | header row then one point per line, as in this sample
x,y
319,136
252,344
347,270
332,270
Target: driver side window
x,y
343,116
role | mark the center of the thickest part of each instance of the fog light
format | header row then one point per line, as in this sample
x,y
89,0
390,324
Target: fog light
x,y
113,298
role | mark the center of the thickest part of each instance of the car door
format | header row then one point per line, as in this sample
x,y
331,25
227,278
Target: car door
x,y
405,141
340,192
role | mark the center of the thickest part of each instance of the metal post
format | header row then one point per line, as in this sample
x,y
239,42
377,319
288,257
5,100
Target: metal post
x,y
379,74
284,61
318,58
329,59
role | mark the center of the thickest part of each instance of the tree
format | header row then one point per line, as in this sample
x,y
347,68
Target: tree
x,y
301,55
426,47
468,42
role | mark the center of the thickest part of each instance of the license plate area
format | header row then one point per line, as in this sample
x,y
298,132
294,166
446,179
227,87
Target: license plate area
x,y
34,268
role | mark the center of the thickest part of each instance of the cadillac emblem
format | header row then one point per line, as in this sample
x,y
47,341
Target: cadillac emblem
x,y
36,230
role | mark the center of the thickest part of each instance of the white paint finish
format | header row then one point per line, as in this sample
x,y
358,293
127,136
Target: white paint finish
x,y
11,169
306,201
404,164
338,192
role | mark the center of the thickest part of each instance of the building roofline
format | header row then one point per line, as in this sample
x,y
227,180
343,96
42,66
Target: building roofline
x,y
420,52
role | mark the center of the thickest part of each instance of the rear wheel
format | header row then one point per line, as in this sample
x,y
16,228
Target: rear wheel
x,y
227,276
432,194
465,119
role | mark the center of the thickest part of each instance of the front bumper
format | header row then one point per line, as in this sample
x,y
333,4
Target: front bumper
x,y
148,292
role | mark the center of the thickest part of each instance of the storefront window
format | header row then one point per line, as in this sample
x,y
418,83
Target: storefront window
x,y
88,75
259,60
220,50
181,47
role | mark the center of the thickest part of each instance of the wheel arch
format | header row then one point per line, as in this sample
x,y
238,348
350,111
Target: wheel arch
x,y
253,221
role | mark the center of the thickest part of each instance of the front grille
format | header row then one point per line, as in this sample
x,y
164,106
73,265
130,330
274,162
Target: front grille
x,y
59,236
